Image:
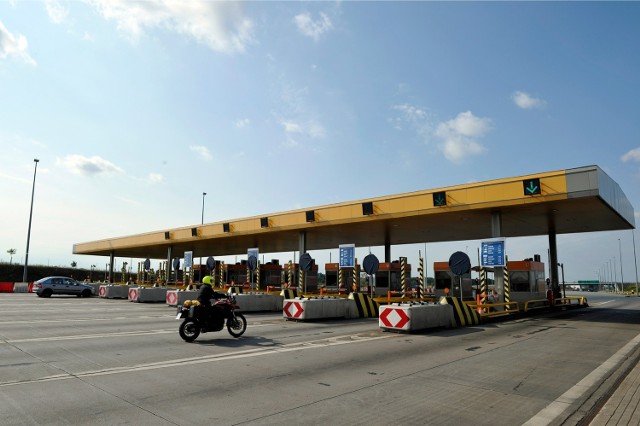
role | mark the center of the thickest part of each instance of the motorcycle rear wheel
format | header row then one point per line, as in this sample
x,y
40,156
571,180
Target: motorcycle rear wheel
x,y
237,326
189,330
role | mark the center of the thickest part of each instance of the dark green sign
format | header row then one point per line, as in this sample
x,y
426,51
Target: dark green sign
x,y
531,186
439,199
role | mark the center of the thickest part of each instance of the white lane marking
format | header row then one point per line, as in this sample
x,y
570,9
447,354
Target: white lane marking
x,y
101,336
602,303
291,347
556,408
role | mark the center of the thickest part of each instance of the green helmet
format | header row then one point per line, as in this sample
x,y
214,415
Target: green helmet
x,y
206,280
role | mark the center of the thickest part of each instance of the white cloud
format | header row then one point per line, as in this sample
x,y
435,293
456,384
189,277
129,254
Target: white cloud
x,y
12,45
526,101
295,131
203,151
415,117
310,28
82,165
241,122
154,178
633,155
57,13
221,26
459,136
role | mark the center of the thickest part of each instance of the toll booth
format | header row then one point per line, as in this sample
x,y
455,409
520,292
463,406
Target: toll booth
x,y
237,273
458,286
310,285
527,279
389,278
270,273
332,271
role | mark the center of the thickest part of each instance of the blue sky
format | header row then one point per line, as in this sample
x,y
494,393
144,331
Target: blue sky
x,y
134,109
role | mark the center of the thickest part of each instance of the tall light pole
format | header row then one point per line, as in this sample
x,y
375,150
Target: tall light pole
x,y
564,291
621,276
635,259
203,194
33,190
202,222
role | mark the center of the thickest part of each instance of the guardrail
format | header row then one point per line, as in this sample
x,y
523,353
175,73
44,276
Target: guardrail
x,y
495,309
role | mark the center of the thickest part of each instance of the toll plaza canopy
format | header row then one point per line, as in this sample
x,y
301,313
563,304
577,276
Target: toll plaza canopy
x,y
575,200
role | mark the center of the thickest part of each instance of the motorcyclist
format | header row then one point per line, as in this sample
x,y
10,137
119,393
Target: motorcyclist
x,y
207,294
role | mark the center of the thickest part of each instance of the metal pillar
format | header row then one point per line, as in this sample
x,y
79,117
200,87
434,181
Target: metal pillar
x,y
553,254
302,242
169,264
111,261
498,274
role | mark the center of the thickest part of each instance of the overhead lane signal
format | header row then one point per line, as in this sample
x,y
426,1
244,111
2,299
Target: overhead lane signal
x,y
439,199
531,186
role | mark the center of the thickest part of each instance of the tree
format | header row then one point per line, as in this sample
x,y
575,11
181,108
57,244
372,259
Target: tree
x,y
11,252
73,264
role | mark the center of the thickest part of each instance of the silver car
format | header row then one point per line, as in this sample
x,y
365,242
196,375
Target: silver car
x,y
61,285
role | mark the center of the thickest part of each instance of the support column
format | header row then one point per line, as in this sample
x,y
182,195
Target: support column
x,y
112,259
553,268
302,242
498,274
169,264
387,251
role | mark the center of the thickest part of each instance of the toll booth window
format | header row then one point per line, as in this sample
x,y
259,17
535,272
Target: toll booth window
x,y
443,280
519,281
331,278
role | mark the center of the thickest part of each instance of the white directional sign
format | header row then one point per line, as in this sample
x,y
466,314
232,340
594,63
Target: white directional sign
x,y
188,259
492,253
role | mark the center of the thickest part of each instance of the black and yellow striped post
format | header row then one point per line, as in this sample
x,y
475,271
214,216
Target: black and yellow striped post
x,y
507,283
354,276
421,275
258,275
221,277
301,280
367,307
290,276
340,281
483,285
403,276
249,276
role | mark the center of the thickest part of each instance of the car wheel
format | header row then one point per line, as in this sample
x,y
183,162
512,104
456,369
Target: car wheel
x,y
86,293
47,292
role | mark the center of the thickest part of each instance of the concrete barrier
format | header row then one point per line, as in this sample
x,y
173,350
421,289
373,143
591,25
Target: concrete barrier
x,y
177,297
6,287
257,302
463,314
21,287
319,308
114,291
152,294
412,317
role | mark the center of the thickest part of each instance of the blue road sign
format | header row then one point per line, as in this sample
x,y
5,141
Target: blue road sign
x,y
347,255
492,253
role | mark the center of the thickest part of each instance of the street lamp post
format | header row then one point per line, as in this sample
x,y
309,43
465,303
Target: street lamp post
x,y
564,290
91,274
633,234
33,190
202,222
621,276
203,194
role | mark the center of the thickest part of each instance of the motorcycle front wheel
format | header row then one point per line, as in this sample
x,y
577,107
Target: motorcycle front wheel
x,y
237,326
189,330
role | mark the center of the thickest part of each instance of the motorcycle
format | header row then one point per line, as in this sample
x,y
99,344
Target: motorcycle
x,y
200,319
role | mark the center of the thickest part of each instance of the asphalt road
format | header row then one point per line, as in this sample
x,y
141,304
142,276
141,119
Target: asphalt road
x,y
66,360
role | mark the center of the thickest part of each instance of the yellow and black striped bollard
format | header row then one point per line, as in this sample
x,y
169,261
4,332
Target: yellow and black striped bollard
x,y
507,284
403,264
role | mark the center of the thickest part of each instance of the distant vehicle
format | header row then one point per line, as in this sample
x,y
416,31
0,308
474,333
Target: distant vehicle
x,y
61,285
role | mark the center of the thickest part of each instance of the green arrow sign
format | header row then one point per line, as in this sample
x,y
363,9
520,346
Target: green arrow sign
x,y
531,186
439,199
